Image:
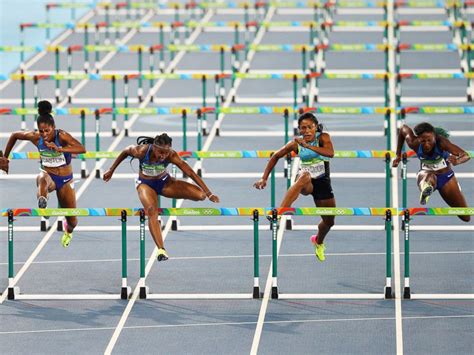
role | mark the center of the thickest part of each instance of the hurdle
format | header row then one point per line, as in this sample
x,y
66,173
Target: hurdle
x,y
14,291
387,213
240,110
249,154
433,212
468,77
209,212
435,110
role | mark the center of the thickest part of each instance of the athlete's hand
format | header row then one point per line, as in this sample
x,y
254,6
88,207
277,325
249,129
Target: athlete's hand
x,y
300,141
108,175
396,161
214,198
260,184
52,146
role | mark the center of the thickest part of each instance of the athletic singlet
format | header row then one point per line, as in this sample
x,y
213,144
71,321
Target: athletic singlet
x,y
435,161
50,158
312,162
152,169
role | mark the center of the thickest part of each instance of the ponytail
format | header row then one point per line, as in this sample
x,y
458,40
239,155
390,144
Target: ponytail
x,y
442,132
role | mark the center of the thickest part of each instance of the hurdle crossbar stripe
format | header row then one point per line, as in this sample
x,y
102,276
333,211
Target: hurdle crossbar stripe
x,y
240,211
352,110
209,48
224,154
196,75
233,76
241,25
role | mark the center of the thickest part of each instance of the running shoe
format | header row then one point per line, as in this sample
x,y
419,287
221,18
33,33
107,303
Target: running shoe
x,y
42,202
162,254
318,248
66,239
426,191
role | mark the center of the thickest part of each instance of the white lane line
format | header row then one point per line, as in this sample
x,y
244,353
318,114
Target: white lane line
x,y
396,233
268,286
216,257
136,292
300,321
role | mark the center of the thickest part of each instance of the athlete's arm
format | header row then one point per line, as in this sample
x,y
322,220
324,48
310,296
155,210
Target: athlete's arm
x,y
136,151
15,136
280,153
31,136
326,148
458,155
405,134
69,144
187,170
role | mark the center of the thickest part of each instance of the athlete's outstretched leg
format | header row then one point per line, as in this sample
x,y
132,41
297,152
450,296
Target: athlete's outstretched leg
x,y
183,190
302,185
67,199
149,200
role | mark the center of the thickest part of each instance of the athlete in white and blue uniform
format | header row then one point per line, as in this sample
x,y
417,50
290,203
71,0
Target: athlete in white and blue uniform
x,y
314,149
155,154
437,156
55,147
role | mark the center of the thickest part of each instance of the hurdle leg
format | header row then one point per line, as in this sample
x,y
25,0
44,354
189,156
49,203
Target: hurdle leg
x,y
274,255
406,282
126,290
388,255
143,287
44,224
256,266
11,272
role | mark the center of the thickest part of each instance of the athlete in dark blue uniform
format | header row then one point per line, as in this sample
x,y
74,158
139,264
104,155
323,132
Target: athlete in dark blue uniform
x,y
437,157
55,147
155,154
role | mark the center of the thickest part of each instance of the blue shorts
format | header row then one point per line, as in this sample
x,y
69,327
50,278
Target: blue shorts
x,y
156,184
443,179
60,181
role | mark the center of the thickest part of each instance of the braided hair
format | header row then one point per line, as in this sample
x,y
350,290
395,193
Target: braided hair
x,y
162,139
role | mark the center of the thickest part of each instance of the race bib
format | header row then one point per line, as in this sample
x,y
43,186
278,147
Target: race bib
x,y
316,170
51,159
434,166
153,170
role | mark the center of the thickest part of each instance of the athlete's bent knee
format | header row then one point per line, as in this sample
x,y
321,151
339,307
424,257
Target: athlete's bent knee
x,y
201,196
465,218
151,211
